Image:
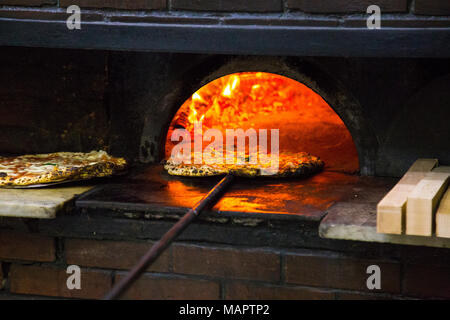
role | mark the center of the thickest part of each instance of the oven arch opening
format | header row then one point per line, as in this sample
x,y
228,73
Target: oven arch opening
x,y
262,100
312,72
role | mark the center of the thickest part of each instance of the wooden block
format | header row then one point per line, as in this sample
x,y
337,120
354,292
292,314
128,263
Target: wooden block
x,y
443,216
423,201
444,169
391,209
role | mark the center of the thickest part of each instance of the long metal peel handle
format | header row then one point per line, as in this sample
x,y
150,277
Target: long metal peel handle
x,y
158,248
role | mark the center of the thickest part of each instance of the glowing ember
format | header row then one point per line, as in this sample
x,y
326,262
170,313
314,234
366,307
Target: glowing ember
x,y
269,101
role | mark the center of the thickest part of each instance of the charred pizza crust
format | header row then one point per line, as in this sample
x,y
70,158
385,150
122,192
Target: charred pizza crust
x,y
57,167
290,165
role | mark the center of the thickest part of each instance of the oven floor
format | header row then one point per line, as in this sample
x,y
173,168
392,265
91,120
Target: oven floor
x,y
152,190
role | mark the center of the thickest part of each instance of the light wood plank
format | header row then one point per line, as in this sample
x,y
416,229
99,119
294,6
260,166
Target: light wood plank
x,y
423,201
444,169
443,216
391,209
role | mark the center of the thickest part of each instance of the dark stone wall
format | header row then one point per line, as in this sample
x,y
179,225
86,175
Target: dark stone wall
x,y
347,13
52,100
24,23
74,100
420,128
420,7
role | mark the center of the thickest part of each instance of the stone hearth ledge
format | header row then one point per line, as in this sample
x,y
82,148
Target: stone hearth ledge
x,y
357,221
42,203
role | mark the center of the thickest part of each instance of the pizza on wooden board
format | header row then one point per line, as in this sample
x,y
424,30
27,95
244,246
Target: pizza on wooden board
x,y
290,165
28,170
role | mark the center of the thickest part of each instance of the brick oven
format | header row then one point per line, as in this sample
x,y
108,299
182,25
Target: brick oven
x,y
379,100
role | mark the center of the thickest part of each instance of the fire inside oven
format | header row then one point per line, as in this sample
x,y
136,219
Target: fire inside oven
x,y
260,100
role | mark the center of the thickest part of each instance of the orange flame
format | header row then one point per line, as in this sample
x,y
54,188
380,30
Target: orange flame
x,y
265,100
231,85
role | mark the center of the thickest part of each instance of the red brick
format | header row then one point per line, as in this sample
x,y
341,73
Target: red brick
x,y
337,271
415,255
117,4
51,281
426,281
157,287
167,18
432,7
26,246
27,2
39,14
7,296
275,20
360,296
228,5
255,291
255,264
344,6
111,254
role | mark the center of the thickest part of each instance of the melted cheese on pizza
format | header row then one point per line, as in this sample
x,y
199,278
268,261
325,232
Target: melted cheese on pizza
x,y
56,167
290,165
